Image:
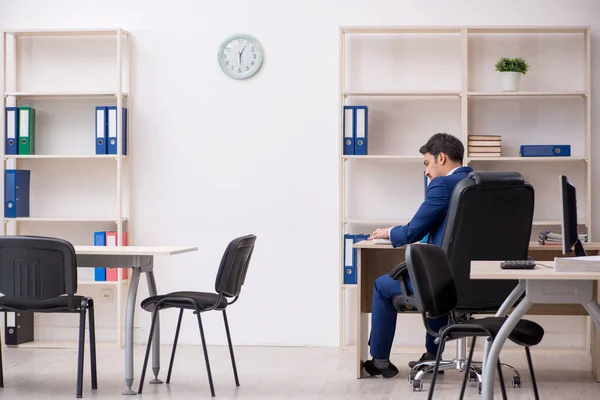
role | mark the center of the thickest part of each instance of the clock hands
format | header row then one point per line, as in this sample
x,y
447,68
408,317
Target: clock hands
x,y
240,54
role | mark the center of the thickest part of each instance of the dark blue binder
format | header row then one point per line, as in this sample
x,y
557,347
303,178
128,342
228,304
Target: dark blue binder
x,y
101,129
349,129
113,120
11,130
545,150
361,130
16,193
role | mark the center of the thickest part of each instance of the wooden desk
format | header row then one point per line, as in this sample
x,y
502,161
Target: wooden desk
x,y
376,260
540,285
140,259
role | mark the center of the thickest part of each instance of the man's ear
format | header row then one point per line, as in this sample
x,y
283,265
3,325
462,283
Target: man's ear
x,y
442,158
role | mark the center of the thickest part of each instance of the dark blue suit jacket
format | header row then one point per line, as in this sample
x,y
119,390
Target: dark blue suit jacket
x,y
431,215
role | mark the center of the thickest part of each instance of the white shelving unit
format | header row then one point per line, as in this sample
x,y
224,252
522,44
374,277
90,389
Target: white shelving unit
x,y
417,81
64,74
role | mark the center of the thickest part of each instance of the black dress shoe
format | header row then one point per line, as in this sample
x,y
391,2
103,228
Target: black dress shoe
x,y
427,356
372,370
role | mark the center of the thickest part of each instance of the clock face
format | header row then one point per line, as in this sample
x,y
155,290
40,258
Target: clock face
x,y
240,56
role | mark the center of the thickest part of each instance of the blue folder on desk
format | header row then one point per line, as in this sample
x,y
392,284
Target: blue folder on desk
x,y
16,193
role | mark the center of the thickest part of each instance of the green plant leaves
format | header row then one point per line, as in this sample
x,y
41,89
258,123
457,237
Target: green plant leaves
x,y
517,64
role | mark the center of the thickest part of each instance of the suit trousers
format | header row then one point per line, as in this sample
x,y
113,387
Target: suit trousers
x,y
384,316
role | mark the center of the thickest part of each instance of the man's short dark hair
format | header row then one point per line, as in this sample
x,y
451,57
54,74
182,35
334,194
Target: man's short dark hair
x,y
444,143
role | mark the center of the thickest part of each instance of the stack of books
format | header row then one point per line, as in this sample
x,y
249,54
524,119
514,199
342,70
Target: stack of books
x,y
484,146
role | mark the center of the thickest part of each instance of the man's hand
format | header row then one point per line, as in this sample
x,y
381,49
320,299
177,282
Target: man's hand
x,y
380,234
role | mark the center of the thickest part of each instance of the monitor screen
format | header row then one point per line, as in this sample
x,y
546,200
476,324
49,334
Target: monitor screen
x,y
570,237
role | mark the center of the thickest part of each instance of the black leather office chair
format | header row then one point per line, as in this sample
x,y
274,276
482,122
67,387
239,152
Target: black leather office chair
x,y
436,295
39,274
490,217
228,284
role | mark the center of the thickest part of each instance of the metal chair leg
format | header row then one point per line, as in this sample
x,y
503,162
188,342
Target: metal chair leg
x,y
80,350
152,326
174,346
235,374
210,380
1,368
533,382
437,364
93,346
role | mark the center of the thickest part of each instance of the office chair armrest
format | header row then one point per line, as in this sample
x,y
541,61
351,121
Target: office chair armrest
x,y
405,299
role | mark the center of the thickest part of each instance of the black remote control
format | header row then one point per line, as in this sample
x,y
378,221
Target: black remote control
x,y
518,264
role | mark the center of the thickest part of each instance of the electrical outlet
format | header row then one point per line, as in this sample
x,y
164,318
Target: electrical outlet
x,y
106,295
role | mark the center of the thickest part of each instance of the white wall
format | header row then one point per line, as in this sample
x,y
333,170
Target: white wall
x,y
215,158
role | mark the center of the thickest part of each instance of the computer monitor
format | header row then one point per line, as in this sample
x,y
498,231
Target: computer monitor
x,y
570,236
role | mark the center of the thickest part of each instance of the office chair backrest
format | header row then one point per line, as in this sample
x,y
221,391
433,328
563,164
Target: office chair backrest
x,y
234,264
36,267
490,217
431,279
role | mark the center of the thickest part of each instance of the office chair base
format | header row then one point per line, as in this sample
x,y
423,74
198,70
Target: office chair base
x,y
416,375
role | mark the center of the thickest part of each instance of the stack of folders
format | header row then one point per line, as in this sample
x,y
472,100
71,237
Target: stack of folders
x,y
549,237
106,130
19,130
351,256
356,127
484,146
577,264
106,273
16,193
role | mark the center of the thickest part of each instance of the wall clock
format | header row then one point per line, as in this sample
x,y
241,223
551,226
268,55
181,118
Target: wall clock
x,y
240,56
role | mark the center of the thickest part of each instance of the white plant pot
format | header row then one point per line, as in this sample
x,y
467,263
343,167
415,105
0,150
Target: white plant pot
x,y
511,81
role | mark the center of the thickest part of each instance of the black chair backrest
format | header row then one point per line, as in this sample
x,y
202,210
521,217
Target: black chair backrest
x,y
431,278
234,264
37,267
490,217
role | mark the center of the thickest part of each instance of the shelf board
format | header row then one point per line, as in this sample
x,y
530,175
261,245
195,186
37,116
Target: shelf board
x,y
399,29
67,32
557,222
383,157
421,93
528,29
61,219
62,156
63,94
529,159
527,94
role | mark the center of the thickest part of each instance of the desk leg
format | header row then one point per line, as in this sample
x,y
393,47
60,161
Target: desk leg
x,y
491,360
362,323
156,339
129,313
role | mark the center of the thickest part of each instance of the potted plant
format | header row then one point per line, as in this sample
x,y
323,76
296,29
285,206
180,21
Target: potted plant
x,y
511,70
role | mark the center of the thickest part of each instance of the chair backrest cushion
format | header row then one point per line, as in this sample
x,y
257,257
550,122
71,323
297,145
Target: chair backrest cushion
x,y
489,218
234,265
36,267
431,278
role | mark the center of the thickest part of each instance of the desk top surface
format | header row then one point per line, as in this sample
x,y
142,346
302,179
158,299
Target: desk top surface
x,y
492,270
133,250
368,244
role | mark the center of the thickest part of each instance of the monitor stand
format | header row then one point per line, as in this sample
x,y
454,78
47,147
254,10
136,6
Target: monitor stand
x,y
579,250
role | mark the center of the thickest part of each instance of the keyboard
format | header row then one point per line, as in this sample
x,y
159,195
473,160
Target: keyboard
x,y
382,241
518,264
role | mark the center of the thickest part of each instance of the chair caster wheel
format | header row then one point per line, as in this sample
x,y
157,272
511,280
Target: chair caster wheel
x,y
472,376
516,381
479,387
411,377
417,384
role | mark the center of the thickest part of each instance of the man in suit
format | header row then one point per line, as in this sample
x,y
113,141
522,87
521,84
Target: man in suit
x,y
443,158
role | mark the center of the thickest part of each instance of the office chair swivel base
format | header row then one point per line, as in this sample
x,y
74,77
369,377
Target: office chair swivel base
x,y
415,377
